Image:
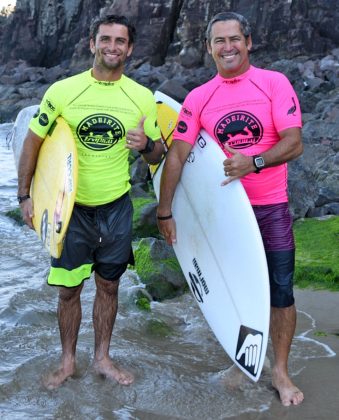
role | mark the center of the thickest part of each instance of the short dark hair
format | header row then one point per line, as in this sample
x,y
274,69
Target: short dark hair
x,y
110,19
245,27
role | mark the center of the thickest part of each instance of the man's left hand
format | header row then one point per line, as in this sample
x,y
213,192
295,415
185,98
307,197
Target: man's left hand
x,y
237,165
136,138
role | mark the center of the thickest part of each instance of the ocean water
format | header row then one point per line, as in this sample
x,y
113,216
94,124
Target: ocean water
x,y
179,374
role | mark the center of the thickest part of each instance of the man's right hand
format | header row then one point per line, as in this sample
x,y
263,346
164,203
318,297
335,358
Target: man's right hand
x,y
27,212
168,229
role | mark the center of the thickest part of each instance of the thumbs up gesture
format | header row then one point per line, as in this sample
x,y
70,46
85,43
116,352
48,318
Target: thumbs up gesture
x,y
135,137
236,165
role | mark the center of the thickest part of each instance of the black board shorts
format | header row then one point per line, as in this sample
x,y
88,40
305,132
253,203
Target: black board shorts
x,y
98,239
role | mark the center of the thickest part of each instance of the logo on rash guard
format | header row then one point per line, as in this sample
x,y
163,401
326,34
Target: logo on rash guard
x,y
43,120
187,112
182,127
50,106
239,129
100,132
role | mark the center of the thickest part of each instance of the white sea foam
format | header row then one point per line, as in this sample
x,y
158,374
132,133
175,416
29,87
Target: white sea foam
x,y
303,337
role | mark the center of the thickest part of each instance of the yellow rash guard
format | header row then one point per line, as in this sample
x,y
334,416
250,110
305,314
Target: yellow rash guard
x,y
99,114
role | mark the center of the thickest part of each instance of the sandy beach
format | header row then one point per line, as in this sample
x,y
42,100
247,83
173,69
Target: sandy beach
x,y
319,380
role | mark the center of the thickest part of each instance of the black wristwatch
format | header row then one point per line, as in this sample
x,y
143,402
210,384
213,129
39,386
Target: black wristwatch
x,y
259,163
22,198
149,146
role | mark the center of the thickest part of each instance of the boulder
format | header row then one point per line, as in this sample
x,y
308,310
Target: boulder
x,y
158,269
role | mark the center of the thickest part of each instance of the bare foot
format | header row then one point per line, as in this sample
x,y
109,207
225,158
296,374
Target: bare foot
x,y
107,368
54,379
288,392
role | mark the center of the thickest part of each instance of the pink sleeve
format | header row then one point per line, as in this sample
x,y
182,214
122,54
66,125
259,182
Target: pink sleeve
x,y
285,105
188,124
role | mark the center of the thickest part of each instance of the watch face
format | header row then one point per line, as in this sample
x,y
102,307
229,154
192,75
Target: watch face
x,y
259,162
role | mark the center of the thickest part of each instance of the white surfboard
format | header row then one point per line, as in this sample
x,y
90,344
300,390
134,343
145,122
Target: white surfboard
x,y
219,248
19,130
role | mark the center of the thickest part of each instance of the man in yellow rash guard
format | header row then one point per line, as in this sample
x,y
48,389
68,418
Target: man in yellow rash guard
x,y
109,114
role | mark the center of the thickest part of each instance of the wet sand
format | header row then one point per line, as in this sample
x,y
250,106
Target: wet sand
x,y
320,379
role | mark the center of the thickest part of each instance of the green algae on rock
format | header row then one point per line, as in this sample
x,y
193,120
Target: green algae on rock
x,y
158,269
15,214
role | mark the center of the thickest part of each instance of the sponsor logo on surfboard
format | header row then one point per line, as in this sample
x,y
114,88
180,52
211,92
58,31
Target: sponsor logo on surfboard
x,y
190,157
45,228
100,132
201,141
249,349
239,129
198,283
69,171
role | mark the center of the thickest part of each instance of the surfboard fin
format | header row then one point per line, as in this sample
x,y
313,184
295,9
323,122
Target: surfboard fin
x,y
58,227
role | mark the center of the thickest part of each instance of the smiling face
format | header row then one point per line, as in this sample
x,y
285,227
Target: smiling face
x,y
111,48
229,48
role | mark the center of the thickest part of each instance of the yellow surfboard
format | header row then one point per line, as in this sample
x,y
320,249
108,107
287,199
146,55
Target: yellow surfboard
x,y
54,186
167,119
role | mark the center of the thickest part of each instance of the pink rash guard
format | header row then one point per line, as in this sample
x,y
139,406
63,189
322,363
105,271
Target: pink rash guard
x,y
247,112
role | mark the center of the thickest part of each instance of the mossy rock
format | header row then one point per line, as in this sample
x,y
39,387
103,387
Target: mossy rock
x,y
15,214
158,269
138,170
317,253
143,302
132,156
144,219
158,328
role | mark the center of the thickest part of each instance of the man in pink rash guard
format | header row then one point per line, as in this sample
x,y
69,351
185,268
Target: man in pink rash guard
x,y
254,115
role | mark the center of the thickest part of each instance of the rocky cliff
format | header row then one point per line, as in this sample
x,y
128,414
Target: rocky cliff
x,y
41,42
56,31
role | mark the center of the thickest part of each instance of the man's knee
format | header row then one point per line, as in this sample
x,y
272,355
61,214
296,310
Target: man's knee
x,y
109,287
70,293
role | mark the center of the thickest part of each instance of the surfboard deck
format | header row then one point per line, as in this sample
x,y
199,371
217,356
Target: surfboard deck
x,y
54,184
219,247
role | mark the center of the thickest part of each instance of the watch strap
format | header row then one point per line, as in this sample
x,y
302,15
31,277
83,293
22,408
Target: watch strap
x,y
258,168
22,198
149,146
